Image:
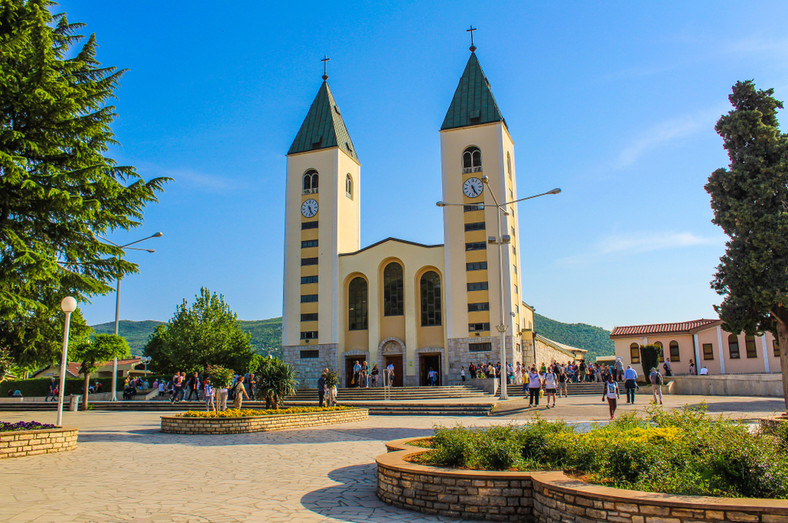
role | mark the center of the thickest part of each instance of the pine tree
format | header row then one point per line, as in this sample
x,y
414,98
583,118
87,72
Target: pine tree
x,y
59,191
750,203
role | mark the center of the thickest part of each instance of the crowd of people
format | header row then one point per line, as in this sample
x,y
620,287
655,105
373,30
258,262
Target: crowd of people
x,y
198,387
364,377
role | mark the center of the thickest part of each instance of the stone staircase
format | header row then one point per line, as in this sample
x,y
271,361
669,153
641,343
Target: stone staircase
x,y
578,389
355,394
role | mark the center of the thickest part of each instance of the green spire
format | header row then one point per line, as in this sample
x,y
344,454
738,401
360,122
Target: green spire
x,y
323,127
473,102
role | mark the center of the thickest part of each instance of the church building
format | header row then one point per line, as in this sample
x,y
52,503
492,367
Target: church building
x,y
396,301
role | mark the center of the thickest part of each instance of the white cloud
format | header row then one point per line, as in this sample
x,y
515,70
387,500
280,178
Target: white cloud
x,y
640,243
200,181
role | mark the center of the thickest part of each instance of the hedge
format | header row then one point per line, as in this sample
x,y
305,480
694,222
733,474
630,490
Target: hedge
x,y
40,386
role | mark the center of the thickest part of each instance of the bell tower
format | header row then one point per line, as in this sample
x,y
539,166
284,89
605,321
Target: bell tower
x,y
477,157
322,219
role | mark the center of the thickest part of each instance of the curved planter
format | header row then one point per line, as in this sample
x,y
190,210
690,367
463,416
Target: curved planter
x,y
546,496
20,443
240,425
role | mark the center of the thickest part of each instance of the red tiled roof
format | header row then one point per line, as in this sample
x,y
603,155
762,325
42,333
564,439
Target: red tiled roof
x,y
685,327
73,368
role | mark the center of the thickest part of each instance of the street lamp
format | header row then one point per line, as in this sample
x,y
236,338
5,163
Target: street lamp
x,y
68,305
500,240
113,395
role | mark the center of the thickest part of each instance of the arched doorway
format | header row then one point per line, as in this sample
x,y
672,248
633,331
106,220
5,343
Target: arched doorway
x,y
392,352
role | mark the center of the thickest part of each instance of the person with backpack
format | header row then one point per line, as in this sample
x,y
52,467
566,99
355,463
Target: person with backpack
x,y
611,394
656,384
238,393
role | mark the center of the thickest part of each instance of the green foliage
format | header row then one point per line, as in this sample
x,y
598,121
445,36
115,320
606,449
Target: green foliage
x,y
276,381
678,452
207,333
103,347
6,364
136,333
750,203
242,413
60,191
332,378
649,357
595,340
220,376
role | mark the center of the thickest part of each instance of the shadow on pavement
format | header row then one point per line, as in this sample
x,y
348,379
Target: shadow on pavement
x,y
315,435
354,499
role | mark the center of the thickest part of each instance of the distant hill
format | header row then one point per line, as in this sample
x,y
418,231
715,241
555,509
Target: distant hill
x,y
267,334
595,340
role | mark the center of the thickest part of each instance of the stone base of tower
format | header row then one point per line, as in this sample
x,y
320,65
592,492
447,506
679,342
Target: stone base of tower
x,y
310,360
460,354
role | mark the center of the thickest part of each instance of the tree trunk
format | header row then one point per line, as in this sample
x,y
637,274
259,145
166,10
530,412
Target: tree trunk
x,y
85,392
780,315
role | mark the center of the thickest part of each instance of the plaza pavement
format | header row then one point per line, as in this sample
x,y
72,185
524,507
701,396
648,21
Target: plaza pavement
x,y
124,469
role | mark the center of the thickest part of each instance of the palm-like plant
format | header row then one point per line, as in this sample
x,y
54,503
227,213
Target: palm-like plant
x,y
277,380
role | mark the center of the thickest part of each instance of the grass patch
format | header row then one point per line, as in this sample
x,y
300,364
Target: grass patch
x,y
245,413
683,452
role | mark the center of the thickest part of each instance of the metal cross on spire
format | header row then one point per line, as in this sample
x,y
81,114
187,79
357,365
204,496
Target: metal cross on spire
x,y
471,29
325,67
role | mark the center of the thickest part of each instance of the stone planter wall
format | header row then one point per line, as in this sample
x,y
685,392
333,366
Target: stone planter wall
x,y
547,496
183,425
17,444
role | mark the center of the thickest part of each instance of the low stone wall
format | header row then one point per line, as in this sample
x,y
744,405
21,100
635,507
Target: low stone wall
x,y
184,425
16,444
547,496
769,385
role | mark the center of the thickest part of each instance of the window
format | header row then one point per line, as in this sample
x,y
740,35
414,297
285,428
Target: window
x,y
509,164
776,348
478,307
349,186
309,225
357,304
430,299
674,351
308,243
308,261
308,298
308,354
749,343
477,286
308,335
310,181
476,266
474,226
308,279
475,246
515,269
478,327
516,290
733,347
312,316
661,351
473,207
393,290
471,160
708,351
479,347
634,353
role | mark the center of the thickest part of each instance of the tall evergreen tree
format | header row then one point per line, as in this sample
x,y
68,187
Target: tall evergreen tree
x,y
750,203
59,191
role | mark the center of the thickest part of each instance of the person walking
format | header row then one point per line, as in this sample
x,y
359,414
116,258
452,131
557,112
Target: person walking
x,y
656,385
562,383
667,367
209,393
534,386
240,393
222,397
462,373
321,388
194,387
618,369
630,383
550,384
52,389
611,394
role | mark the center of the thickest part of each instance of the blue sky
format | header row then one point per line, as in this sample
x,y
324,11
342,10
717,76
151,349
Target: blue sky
x,y
614,102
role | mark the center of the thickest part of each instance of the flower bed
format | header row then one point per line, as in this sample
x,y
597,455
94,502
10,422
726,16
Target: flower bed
x,y
27,438
242,421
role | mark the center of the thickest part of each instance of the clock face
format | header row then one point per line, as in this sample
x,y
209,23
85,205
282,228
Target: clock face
x,y
309,208
472,187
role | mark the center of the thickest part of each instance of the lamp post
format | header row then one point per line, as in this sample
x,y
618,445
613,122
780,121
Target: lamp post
x,y
500,240
68,305
113,395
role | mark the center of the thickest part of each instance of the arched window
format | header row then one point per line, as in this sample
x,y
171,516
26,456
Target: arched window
x,y
357,304
509,164
674,351
310,181
430,299
471,160
634,353
733,347
393,290
349,186
661,351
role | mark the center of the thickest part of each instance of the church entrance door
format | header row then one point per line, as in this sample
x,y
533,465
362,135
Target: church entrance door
x,y
427,362
349,362
396,360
